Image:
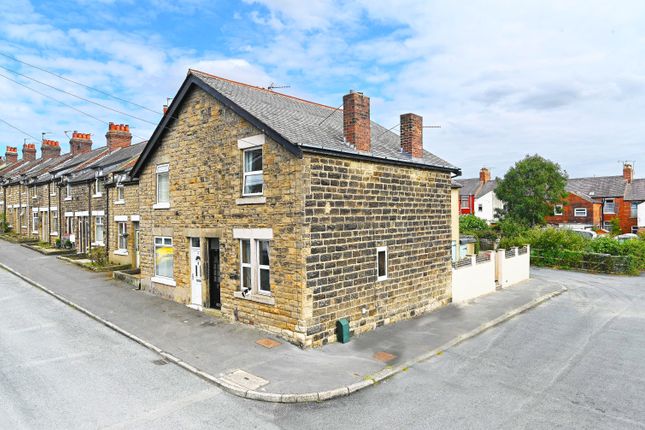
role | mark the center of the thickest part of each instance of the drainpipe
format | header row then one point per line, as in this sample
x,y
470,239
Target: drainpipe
x,y
19,210
49,213
89,214
106,222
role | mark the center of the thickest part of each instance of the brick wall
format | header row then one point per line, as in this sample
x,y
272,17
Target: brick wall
x,y
351,209
205,162
572,202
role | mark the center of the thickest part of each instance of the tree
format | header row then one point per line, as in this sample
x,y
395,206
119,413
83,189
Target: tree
x,y
530,189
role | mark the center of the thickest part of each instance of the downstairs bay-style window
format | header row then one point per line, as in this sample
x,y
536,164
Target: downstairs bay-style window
x,y
164,260
381,263
253,181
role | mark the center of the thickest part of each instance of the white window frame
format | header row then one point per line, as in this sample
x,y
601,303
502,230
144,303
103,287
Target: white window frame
x,y
55,220
378,251
248,265
122,231
577,214
164,242
613,206
165,170
262,267
120,194
480,207
558,210
53,191
34,222
68,191
245,174
633,209
96,225
69,225
34,192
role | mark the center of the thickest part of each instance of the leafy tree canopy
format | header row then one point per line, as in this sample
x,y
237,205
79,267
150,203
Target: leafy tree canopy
x,y
530,189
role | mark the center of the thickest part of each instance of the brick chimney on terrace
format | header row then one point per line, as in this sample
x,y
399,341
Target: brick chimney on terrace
x,y
118,136
412,134
484,175
49,149
80,143
29,151
628,172
11,155
356,120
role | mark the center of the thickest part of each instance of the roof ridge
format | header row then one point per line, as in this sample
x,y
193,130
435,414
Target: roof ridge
x,y
255,87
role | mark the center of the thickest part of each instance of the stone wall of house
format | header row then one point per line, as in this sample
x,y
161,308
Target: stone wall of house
x,y
201,148
353,207
129,208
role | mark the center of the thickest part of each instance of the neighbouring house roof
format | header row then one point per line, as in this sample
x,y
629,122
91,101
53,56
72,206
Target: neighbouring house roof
x,y
635,190
297,124
475,187
107,164
598,186
455,184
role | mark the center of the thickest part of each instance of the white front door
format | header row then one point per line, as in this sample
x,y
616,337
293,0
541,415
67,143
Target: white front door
x,y
196,273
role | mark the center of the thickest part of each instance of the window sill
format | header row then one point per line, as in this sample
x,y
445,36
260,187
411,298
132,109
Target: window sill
x,y
34,232
97,196
119,202
98,244
67,199
53,233
259,298
121,252
161,206
251,200
164,281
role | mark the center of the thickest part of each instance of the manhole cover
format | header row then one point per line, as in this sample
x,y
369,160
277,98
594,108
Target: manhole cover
x,y
244,379
268,343
208,323
384,356
160,362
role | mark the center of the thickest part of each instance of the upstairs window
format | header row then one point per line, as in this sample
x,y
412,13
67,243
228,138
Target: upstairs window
x,y
633,213
253,181
580,212
163,184
68,191
120,194
98,187
610,206
480,207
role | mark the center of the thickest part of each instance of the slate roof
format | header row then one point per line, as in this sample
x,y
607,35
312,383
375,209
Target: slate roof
x,y
303,124
635,190
474,187
109,163
599,186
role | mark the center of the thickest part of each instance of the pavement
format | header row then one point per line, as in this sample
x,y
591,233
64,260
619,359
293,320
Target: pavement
x,y
227,354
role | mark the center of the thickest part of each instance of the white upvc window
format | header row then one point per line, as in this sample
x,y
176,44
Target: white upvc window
x,y
34,192
163,186
381,263
253,182
164,258
98,230
255,268
610,206
34,222
580,212
480,207
120,194
54,214
123,235
69,225
557,210
68,191
633,212
52,190
98,187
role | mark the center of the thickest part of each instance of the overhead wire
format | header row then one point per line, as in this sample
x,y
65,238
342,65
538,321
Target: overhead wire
x,y
20,130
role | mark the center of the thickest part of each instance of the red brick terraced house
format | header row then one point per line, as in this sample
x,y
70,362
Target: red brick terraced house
x,y
593,202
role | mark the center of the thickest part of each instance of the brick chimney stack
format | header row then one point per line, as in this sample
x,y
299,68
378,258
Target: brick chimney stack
x,y
11,155
628,172
484,175
49,149
118,136
356,120
80,143
29,151
412,134
165,109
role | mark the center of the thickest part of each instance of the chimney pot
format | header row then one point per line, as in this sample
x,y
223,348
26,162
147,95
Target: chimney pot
x,y
484,175
356,120
412,134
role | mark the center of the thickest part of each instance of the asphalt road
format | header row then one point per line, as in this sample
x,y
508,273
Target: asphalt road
x,y
577,361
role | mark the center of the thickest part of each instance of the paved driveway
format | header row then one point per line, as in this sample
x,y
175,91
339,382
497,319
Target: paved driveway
x,y
577,361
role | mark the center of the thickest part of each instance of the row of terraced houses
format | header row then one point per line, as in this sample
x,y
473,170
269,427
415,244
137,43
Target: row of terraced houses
x,y
275,211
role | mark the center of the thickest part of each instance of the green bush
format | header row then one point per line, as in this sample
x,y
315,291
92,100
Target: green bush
x,y
614,227
471,224
4,225
98,256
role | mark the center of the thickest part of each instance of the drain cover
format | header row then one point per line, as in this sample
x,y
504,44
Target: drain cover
x,y
244,379
160,362
384,356
268,343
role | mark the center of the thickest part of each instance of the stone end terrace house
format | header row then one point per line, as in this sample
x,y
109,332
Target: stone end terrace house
x,y
290,215
595,201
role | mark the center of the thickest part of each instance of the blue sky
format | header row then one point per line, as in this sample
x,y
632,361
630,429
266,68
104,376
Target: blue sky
x,y
502,78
